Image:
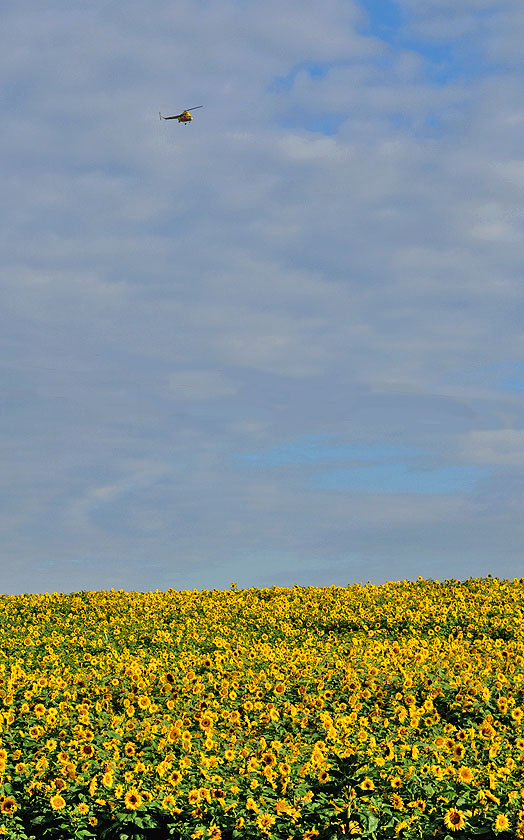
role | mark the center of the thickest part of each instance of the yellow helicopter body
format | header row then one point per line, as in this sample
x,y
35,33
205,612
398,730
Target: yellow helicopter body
x,y
183,117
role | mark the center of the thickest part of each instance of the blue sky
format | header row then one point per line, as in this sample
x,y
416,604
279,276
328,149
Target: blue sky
x,y
282,344
445,59
377,469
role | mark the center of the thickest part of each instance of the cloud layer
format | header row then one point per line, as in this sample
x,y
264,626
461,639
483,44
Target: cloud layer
x,y
326,262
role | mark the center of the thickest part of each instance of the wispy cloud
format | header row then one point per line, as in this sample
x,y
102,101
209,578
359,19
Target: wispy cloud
x,y
321,449
399,478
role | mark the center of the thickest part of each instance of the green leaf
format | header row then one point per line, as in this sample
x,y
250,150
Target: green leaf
x,y
372,822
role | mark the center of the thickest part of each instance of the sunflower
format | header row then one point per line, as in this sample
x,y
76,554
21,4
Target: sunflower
x,y
265,822
8,805
464,774
132,799
397,802
174,734
454,820
487,794
71,770
204,793
168,802
57,802
501,823
486,731
367,784
193,797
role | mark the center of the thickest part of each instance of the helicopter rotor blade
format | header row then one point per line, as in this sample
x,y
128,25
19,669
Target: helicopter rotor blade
x,y
194,108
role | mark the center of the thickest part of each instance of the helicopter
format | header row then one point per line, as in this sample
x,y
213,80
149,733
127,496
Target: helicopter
x,y
183,117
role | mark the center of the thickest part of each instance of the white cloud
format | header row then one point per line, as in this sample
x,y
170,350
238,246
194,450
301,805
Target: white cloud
x,y
190,385
497,447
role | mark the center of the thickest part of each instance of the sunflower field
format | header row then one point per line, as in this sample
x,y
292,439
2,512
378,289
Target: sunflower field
x,y
361,711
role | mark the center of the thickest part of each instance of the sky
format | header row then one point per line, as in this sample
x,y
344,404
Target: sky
x,y
281,345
